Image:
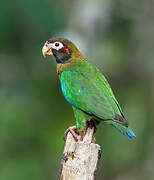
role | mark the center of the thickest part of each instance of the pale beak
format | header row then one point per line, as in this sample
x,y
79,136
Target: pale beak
x,y
46,51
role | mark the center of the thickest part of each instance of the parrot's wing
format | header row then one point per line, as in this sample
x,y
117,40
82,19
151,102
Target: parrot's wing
x,y
89,91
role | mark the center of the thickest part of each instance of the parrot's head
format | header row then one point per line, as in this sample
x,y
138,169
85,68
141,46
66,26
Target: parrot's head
x,y
62,49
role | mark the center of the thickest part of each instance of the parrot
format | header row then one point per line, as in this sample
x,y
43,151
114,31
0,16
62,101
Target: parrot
x,y
85,88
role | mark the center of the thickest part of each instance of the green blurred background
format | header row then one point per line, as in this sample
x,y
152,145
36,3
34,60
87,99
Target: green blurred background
x,y
116,36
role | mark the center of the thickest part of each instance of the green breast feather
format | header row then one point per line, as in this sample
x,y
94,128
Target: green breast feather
x,y
87,89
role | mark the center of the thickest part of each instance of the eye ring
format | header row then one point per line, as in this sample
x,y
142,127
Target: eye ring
x,y
56,45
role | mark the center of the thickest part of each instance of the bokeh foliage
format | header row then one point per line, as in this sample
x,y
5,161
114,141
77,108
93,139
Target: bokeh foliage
x,y
117,36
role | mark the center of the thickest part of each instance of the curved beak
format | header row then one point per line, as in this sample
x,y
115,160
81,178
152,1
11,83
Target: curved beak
x,y
46,51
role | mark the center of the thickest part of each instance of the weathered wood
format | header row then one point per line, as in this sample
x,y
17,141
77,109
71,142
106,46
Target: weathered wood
x,y
80,159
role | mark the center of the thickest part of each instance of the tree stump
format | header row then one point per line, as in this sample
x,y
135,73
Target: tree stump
x,y
80,159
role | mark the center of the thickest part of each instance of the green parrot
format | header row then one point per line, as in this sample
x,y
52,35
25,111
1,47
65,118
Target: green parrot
x,y
85,88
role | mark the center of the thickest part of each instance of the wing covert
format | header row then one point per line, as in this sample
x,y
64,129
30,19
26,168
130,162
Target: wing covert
x,y
88,90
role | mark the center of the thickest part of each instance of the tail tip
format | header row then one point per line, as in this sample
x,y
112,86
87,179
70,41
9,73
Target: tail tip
x,y
130,134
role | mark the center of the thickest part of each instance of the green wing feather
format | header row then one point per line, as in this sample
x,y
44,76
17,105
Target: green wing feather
x,y
85,87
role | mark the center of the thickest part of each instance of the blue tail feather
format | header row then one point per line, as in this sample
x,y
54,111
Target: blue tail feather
x,y
124,130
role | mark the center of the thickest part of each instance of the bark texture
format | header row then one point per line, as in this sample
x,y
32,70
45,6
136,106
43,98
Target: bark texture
x,y
80,159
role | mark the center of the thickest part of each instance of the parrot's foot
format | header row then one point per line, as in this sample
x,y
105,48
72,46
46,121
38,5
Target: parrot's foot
x,y
92,124
73,131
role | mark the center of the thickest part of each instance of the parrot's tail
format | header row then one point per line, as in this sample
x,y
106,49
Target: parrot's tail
x,y
124,130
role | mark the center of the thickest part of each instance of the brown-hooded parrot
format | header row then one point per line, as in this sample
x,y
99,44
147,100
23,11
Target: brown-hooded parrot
x,y
85,87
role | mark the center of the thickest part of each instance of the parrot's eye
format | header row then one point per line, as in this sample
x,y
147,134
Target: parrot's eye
x,y
57,45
